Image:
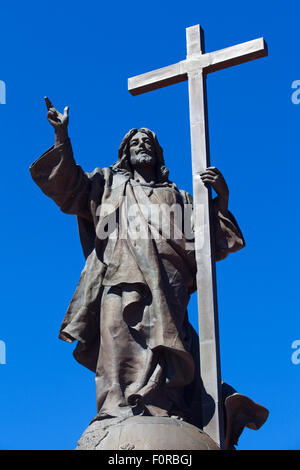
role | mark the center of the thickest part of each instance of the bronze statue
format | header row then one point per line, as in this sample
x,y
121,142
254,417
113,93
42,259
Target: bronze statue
x,y
129,311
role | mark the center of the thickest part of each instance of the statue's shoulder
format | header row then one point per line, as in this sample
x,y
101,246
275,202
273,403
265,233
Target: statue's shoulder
x,y
187,197
108,176
117,178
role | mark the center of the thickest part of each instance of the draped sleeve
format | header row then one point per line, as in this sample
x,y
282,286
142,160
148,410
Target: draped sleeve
x,y
228,237
60,178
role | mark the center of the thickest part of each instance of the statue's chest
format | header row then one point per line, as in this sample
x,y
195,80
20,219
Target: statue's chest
x,y
166,196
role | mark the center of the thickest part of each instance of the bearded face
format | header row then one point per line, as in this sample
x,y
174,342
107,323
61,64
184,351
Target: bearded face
x,y
142,151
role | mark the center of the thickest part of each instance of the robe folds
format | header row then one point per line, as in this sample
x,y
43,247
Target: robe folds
x,y
129,310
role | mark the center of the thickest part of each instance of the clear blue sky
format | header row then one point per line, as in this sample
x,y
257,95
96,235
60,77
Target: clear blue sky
x,y
80,54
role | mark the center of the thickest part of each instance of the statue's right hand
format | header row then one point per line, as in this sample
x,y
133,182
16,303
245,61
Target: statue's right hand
x,y
57,120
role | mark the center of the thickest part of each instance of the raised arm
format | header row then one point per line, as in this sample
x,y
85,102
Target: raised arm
x,y
58,121
56,172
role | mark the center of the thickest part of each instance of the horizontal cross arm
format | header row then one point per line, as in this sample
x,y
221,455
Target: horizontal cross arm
x,y
235,55
209,62
157,79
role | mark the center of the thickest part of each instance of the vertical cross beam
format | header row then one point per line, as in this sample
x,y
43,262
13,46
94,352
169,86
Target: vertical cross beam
x,y
194,69
206,278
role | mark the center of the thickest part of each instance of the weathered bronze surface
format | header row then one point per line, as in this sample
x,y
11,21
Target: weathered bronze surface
x,y
144,433
129,311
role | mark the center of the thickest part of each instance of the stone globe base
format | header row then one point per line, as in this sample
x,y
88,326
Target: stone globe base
x,y
144,433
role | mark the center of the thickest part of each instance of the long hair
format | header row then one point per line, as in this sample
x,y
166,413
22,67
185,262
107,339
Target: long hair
x,y
123,164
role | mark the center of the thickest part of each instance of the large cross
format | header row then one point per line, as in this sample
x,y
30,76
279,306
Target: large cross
x,y
194,69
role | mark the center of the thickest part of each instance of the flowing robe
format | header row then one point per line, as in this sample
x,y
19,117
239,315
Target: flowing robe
x,y
129,311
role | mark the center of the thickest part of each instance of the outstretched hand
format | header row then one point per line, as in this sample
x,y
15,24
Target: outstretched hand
x,y
215,178
58,120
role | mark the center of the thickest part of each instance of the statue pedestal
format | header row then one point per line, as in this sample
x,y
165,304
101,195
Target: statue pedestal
x,y
144,433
